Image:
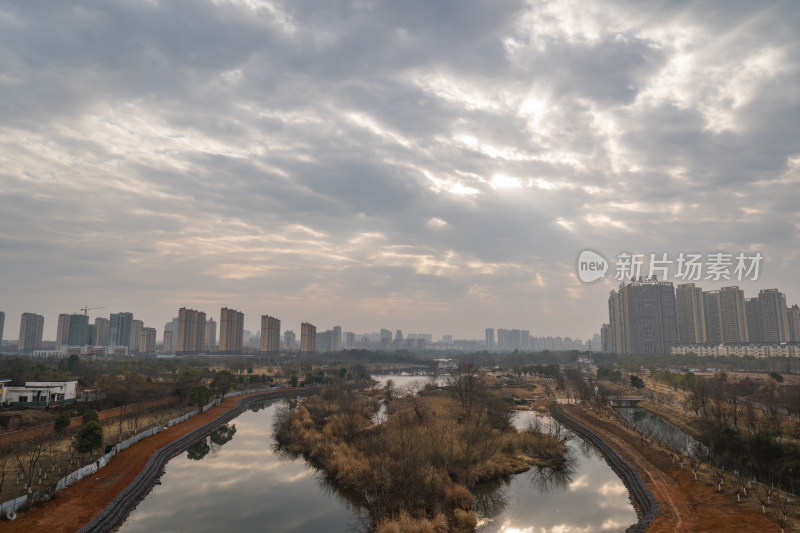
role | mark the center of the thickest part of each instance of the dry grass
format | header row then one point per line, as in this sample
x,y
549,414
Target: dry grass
x,y
415,469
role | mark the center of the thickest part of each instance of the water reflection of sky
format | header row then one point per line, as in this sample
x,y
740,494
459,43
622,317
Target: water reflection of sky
x,y
244,486
590,498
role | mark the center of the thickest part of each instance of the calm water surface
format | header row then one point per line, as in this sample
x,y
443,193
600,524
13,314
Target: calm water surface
x,y
241,486
234,481
652,424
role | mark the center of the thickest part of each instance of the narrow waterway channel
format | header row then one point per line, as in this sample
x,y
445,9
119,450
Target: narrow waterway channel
x,y
236,481
652,424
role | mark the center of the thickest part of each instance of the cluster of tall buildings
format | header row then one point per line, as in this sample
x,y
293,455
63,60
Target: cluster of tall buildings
x,y
521,339
652,316
192,333
119,333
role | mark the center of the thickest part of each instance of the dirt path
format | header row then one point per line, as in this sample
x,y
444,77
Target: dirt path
x,y
75,506
686,505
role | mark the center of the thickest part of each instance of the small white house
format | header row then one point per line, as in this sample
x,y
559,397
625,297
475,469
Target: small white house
x,y
41,393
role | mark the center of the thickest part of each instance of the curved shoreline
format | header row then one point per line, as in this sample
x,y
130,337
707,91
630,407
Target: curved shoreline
x,y
79,504
644,501
124,502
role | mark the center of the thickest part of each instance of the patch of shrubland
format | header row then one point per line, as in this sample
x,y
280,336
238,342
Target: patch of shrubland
x,y
413,472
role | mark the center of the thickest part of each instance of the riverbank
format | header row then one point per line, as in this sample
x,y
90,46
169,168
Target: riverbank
x,y
685,504
77,505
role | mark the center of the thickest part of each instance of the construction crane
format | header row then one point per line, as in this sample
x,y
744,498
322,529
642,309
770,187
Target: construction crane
x,y
87,309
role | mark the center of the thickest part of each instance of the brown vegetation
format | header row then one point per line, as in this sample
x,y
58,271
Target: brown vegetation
x,y
413,471
686,504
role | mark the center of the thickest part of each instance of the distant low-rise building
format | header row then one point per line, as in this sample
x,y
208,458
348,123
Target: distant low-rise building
x,y
739,350
41,393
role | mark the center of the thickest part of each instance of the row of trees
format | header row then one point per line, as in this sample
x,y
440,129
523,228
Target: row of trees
x,y
42,454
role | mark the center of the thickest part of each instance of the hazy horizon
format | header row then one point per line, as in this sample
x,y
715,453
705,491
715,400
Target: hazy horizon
x,y
434,167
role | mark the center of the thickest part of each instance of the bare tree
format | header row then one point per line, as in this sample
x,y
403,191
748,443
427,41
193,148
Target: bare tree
x,y
750,417
719,476
5,462
783,511
469,388
734,407
740,482
717,400
762,493
773,416
697,400
413,395
28,454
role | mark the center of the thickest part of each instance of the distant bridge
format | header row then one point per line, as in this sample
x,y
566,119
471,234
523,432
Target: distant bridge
x,y
625,401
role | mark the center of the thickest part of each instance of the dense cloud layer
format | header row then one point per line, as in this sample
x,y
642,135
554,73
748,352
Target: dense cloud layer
x,y
430,166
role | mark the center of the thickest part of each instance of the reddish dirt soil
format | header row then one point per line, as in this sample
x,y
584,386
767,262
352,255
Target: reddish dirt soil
x,y
686,505
76,505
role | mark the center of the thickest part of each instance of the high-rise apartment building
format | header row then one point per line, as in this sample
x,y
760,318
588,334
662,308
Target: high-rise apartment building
x,y
774,319
210,343
489,338
171,341
168,346
642,318
191,331
2,327
793,314
397,342
619,340
690,314
734,316
31,326
308,338
507,339
62,331
350,339
606,338
323,341
753,315
713,309
147,341
231,331
270,334
136,335
386,338
653,323
726,316
336,338
78,330
102,331
120,329
289,339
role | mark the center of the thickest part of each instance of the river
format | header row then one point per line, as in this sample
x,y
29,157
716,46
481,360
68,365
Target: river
x,y
236,481
652,424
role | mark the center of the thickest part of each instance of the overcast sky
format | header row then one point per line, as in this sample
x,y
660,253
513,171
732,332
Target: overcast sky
x,y
431,166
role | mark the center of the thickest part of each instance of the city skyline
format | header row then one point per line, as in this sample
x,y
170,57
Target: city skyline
x,y
256,323
430,166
